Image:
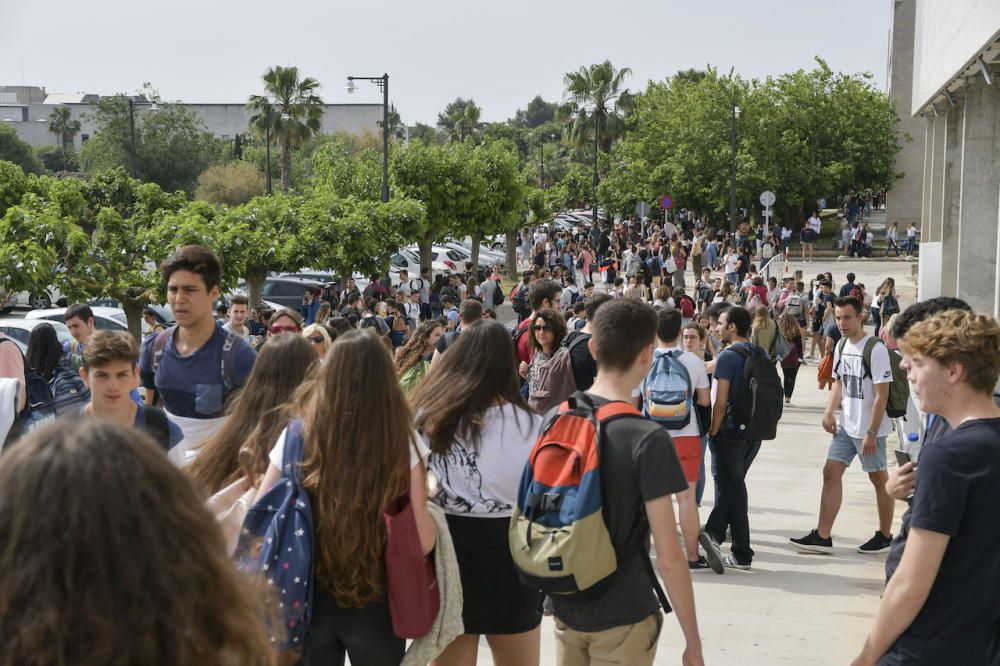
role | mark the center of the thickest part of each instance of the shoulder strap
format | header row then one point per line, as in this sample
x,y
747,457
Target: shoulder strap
x,y
227,360
583,337
157,425
676,355
159,344
294,453
866,355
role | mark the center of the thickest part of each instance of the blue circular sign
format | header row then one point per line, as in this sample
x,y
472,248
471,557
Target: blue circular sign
x,y
666,202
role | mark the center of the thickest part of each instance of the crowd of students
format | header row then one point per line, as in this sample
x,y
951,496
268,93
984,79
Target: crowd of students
x,y
124,558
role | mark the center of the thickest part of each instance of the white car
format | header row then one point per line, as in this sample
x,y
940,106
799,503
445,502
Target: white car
x,y
19,330
105,318
408,259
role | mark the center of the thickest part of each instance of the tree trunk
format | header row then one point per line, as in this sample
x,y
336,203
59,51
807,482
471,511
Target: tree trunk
x,y
512,255
286,165
255,283
133,315
477,238
424,245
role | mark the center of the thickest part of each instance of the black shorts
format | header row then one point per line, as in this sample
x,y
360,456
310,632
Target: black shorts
x,y
495,602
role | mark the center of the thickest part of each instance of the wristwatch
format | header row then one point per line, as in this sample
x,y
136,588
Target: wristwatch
x,y
871,433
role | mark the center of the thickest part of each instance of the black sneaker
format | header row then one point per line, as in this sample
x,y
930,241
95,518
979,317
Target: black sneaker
x,y
713,553
813,543
701,564
877,544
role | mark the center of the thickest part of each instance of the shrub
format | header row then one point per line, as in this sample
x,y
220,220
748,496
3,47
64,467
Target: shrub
x,y
230,184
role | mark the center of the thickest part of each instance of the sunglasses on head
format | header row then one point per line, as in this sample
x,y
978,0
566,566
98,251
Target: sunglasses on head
x,y
284,329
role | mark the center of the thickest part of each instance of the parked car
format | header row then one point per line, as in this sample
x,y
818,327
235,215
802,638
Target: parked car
x,y
487,257
408,259
105,318
32,301
161,313
19,330
283,291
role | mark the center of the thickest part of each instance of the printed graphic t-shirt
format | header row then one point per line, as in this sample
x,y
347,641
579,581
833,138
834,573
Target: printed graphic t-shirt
x,y
857,388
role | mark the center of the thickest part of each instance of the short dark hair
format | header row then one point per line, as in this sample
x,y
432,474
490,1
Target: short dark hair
x,y
668,324
622,329
740,318
526,276
579,307
596,301
196,259
918,312
825,283
541,291
470,311
239,299
848,302
79,311
850,277
716,309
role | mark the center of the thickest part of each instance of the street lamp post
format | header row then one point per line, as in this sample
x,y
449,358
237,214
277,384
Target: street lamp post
x,y
732,172
551,136
383,85
131,125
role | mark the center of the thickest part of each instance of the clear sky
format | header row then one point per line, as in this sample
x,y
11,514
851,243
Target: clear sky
x,y
500,53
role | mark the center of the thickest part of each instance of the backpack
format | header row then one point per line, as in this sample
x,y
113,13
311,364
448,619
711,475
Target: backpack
x,y
276,541
793,304
856,292
759,405
227,360
38,403
899,389
687,306
632,265
780,347
69,392
579,262
667,396
558,539
766,251
556,380
887,309
519,300
498,297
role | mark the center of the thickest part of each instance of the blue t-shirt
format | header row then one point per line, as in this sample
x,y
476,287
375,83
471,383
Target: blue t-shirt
x,y
192,386
729,365
452,315
176,434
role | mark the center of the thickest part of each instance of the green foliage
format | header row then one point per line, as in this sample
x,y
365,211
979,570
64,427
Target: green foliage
x,y
13,149
536,113
230,184
347,173
64,126
425,133
596,101
460,119
57,159
13,184
172,145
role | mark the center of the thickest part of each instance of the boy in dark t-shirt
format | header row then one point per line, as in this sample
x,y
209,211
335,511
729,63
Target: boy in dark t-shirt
x,y
940,605
639,472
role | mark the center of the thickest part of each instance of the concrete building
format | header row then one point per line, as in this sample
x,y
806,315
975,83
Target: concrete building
x,y
956,94
27,109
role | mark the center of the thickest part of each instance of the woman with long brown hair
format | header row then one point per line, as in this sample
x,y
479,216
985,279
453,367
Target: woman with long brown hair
x,y
480,431
546,334
109,558
256,416
356,462
413,359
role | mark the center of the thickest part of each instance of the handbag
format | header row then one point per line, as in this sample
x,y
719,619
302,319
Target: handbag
x,y
824,373
669,265
229,506
410,579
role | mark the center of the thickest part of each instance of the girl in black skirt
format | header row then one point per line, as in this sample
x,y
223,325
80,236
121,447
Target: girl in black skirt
x,y
480,431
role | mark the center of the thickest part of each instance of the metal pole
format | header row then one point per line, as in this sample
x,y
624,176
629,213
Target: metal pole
x,y
131,125
267,144
385,137
596,151
732,175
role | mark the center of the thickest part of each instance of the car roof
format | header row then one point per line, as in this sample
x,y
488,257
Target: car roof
x,y
98,310
27,324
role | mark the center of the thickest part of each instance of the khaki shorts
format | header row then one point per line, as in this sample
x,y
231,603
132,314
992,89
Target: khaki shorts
x,y
628,645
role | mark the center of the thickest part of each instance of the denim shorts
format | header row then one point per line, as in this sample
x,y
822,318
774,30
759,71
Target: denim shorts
x,y
843,448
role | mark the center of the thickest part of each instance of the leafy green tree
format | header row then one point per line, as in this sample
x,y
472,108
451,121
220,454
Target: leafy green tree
x,y
13,149
230,184
466,122
64,126
172,145
396,128
596,101
294,110
425,133
536,113
13,184
57,159
346,173
502,206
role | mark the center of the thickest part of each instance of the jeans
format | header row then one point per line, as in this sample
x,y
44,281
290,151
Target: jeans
x,y
790,375
699,489
877,320
734,457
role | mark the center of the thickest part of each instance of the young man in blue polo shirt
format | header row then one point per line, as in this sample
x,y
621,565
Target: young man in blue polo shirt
x,y
193,367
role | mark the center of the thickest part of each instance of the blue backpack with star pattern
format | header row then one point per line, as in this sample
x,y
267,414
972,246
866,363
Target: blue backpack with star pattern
x,y
277,542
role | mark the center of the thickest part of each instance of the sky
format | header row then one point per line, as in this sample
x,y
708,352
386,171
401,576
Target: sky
x,y
499,53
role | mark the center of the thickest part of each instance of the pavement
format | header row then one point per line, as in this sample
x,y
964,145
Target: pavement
x,y
791,608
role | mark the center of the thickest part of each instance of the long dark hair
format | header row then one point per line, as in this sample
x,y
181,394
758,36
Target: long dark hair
x,y
44,350
256,416
478,372
110,552
356,462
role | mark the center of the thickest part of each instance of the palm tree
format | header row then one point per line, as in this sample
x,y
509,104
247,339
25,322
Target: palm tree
x,y
595,96
64,126
465,121
292,108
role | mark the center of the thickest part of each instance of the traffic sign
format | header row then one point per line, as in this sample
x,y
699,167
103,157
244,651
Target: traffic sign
x,y
642,209
767,198
666,202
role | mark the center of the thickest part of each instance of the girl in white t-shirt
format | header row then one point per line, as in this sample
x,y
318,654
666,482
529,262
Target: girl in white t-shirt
x,y
480,431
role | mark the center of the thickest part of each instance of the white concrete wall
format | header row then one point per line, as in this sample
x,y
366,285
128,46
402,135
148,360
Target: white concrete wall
x,y
949,34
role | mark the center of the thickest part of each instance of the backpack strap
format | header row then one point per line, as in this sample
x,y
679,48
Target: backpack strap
x,y
294,453
157,425
866,355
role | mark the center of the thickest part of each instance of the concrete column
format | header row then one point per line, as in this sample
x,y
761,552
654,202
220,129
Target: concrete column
x,y
904,198
980,197
951,198
925,206
937,179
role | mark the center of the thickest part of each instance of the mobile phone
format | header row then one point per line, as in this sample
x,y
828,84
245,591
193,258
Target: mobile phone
x,y
902,457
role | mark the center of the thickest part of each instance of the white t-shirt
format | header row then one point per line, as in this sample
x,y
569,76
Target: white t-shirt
x,y
857,389
418,450
699,380
815,223
481,480
731,261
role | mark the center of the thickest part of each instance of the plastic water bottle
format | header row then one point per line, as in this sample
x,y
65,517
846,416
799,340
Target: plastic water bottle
x,y
913,438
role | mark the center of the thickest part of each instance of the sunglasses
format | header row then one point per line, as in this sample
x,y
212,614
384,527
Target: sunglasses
x,y
316,339
542,327
275,330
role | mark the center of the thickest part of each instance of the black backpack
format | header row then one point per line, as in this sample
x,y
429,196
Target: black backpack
x,y
522,305
759,405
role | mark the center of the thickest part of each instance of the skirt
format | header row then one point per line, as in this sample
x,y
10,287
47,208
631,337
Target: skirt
x,y
495,602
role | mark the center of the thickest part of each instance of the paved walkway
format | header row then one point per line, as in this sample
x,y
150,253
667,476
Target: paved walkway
x,y
792,608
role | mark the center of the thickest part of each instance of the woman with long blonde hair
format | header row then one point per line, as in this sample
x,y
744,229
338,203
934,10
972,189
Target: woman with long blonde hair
x,y
357,461
413,359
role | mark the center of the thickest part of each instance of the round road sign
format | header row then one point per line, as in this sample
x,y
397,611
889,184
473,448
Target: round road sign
x,y
666,202
767,198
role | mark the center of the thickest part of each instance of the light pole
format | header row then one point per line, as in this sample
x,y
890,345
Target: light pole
x,y
732,172
596,151
383,85
131,124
